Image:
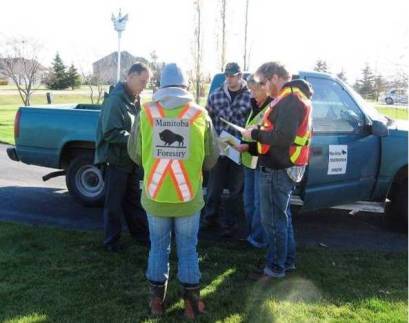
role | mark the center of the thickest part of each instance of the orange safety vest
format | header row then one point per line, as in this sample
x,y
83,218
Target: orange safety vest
x,y
299,150
177,170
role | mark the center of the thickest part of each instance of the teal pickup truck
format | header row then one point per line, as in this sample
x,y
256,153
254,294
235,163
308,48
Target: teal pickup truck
x,y
357,153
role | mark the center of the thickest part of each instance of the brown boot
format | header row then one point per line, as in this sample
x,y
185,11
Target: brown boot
x,y
157,294
193,304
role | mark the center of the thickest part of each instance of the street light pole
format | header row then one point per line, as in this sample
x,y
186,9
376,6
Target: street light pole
x,y
118,67
119,26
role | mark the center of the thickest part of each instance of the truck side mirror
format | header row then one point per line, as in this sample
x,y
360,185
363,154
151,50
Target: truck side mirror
x,y
379,129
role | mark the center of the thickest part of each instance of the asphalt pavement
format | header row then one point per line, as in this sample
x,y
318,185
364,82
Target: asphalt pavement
x,y
25,198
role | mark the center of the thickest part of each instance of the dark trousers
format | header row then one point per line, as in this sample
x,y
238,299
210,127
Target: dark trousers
x,y
225,174
123,199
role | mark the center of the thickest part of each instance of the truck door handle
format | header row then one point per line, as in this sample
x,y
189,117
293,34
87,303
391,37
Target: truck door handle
x,y
316,151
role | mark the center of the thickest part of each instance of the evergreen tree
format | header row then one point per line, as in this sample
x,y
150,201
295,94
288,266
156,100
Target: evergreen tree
x,y
341,75
58,78
321,66
380,85
73,77
366,85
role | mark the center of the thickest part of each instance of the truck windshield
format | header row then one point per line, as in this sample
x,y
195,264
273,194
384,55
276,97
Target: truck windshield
x,y
367,108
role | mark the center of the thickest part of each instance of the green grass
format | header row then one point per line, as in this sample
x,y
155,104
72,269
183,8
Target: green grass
x,y
392,111
50,275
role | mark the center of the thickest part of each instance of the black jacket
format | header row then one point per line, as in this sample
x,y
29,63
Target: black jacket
x,y
286,117
115,121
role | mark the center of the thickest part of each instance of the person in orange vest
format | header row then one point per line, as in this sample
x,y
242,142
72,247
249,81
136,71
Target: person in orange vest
x,y
173,140
283,140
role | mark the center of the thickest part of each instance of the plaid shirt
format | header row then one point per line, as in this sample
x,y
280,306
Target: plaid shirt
x,y
219,104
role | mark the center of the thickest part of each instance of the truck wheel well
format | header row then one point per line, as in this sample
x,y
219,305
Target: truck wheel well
x,y
73,149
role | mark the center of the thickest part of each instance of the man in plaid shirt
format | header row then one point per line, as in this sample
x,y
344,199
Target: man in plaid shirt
x,y
232,102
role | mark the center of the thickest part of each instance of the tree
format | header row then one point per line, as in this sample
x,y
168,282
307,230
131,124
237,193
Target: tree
x,y
58,78
399,80
366,85
321,66
245,61
197,49
341,75
223,18
379,86
96,85
156,68
20,63
73,78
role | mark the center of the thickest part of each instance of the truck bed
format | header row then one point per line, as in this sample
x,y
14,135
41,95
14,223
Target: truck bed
x,y
45,130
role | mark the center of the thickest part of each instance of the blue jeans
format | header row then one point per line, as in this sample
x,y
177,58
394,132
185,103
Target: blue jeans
x,y
251,199
276,189
160,230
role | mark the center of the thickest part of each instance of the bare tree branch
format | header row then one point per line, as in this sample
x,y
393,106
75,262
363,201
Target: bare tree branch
x,y
197,49
19,61
96,85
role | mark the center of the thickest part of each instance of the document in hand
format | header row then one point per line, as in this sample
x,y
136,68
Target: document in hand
x,y
226,143
232,125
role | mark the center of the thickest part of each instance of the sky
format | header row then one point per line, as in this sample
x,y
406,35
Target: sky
x,y
346,34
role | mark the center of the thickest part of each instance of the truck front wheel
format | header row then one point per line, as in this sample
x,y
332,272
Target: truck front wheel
x,y
85,181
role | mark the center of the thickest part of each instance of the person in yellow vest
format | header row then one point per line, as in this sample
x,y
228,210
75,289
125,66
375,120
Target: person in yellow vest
x,y
283,140
174,141
249,159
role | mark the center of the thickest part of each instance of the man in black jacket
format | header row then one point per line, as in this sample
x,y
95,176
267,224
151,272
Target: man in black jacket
x,y
284,149
122,193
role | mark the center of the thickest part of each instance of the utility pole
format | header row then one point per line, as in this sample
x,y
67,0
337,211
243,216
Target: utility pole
x,y
119,26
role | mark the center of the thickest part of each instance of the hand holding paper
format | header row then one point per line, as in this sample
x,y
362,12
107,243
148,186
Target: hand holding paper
x,y
247,132
232,125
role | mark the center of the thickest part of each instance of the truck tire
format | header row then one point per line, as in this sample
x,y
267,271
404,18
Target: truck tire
x,y
85,181
397,208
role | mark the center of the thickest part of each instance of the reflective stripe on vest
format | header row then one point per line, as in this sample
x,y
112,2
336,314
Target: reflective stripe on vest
x,y
174,168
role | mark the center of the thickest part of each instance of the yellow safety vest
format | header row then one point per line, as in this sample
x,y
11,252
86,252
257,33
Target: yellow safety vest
x,y
172,151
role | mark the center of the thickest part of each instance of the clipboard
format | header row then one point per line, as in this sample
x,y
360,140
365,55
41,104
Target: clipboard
x,y
227,143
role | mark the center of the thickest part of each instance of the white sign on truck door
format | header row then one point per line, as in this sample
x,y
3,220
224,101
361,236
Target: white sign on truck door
x,y
337,159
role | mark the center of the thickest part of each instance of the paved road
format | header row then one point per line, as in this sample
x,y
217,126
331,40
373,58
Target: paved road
x,y
24,197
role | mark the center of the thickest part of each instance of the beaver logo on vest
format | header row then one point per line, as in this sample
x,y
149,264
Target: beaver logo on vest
x,y
171,138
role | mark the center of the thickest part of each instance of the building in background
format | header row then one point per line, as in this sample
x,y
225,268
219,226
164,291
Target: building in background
x,y
105,68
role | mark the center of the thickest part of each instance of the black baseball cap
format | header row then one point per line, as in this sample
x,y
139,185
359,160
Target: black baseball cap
x,y
232,69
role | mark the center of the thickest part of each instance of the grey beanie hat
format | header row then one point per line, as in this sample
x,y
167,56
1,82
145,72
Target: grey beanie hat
x,y
172,76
